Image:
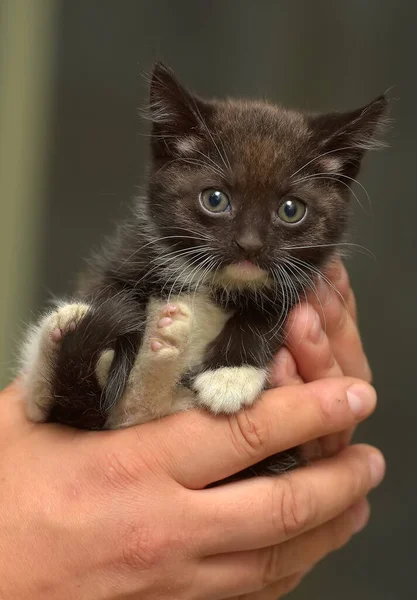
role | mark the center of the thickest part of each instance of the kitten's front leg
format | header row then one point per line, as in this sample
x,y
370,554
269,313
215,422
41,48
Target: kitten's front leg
x,y
236,365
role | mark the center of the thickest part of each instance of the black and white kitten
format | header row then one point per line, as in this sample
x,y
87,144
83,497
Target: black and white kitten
x,y
185,304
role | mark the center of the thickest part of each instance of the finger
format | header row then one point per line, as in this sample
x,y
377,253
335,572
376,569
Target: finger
x,y
282,588
310,346
284,370
344,339
274,591
198,448
338,277
277,590
282,508
256,572
314,358
341,331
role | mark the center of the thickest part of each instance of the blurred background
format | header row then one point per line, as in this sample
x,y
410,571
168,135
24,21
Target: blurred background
x,y
73,153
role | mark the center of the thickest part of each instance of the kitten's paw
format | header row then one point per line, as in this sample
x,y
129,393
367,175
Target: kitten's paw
x,y
39,355
63,320
228,389
171,332
66,319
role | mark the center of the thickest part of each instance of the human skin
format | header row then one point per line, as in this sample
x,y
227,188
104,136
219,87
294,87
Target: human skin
x,y
124,514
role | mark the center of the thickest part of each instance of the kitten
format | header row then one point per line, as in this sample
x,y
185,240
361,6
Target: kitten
x,y
185,305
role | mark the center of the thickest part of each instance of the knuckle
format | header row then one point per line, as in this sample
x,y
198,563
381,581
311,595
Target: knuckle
x,y
359,472
289,584
270,566
120,470
250,433
327,358
142,548
339,533
296,506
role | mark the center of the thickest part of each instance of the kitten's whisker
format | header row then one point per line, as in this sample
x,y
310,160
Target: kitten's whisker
x,y
327,177
197,234
365,191
172,256
281,277
195,161
207,157
156,241
200,267
207,270
356,246
321,156
158,267
320,274
187,266
204,124
311,286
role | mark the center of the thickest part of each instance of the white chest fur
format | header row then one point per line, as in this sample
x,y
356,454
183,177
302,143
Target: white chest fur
x,y
207,321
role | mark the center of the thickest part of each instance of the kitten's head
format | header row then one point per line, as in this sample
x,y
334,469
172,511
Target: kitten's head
x,y
243,192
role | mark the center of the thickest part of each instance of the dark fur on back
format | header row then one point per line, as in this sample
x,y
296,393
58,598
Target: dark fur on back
x,y
258,154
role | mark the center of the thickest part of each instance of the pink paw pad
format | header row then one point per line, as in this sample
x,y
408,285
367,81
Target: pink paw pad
x,y
56,334
164,322
155,345
170,308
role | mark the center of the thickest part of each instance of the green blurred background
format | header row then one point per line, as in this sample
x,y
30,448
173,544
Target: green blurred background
x,y
72,154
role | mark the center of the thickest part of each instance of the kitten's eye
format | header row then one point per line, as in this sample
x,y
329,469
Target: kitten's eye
x,y
215,201
292,210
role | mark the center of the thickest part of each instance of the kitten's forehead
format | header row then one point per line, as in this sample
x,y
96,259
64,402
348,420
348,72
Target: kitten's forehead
x,y
261,140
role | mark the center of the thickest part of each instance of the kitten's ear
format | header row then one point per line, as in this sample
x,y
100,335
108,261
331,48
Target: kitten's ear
x,y
345,137
177,116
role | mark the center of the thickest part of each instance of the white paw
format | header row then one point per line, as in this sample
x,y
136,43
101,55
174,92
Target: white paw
x,y
65,319
171,330
228,389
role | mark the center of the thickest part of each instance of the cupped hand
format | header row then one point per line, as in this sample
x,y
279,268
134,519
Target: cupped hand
x,y
323,340
126,514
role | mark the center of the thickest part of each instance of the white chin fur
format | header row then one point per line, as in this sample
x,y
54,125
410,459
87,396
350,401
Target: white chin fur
x,y
241,275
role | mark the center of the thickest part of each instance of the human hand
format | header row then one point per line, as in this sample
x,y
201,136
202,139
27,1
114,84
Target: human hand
x,y
323,340
124,514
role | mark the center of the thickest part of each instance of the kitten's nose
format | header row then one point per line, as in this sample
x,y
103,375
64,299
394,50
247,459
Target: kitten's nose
x,y
250,244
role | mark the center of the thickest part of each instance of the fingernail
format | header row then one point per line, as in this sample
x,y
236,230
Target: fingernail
x,y
377,467
361,399
323,291
360,515
316,330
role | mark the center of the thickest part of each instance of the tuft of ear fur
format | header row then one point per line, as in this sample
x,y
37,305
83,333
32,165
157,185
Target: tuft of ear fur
x,y
345,137
178,117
